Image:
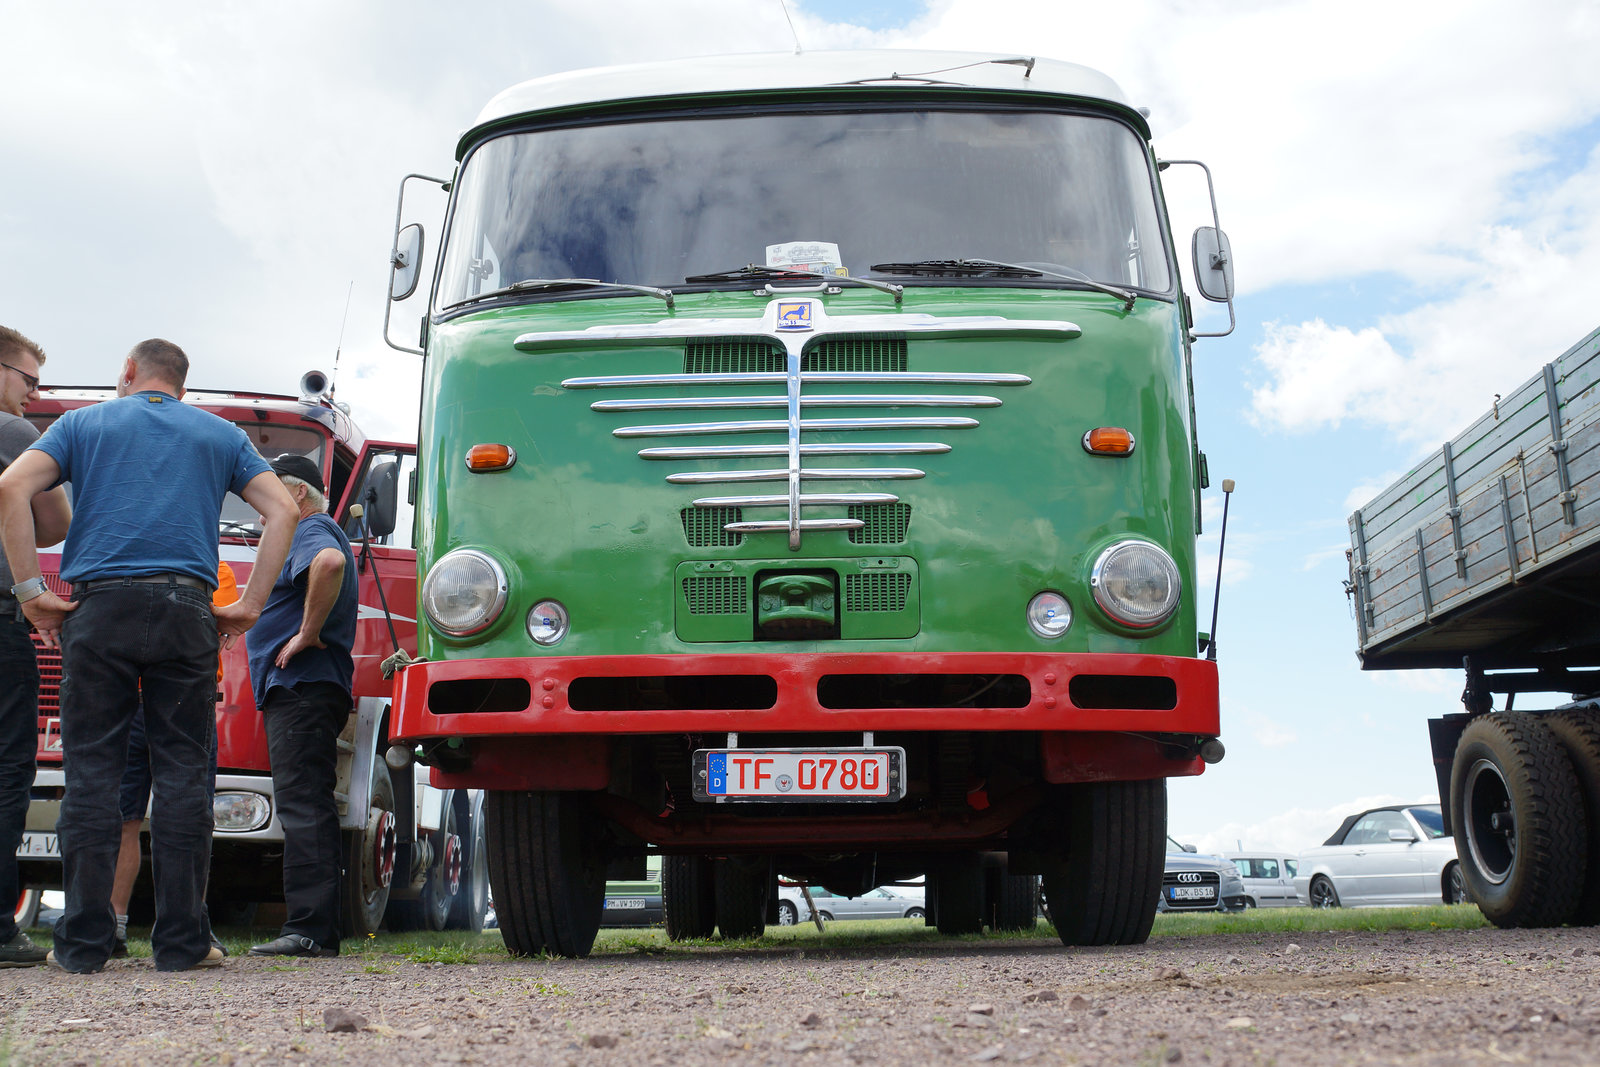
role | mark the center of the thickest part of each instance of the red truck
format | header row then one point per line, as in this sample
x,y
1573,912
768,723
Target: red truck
x,y
414,853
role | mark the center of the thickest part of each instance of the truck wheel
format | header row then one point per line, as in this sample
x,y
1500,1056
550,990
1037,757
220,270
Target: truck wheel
x,y
548,872
741,896
28,907
1105,888
1519,823
1013,901
472,903
369,861
688,897
958,896
1579,734
441,883
1323,895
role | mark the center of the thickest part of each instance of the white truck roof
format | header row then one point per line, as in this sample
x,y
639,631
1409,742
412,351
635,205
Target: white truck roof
x,y
776,71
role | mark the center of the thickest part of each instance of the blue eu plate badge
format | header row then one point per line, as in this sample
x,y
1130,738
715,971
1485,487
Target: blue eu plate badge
x,y
795,315
717,774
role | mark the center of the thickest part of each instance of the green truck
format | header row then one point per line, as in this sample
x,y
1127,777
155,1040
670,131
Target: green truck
x,y
809,484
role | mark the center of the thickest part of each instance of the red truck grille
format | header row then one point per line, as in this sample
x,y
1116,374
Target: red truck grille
x,y
50,684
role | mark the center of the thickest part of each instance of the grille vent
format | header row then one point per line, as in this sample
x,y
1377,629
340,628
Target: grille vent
x,y
857,354
876,591
704,527
732,356
883,524
717,594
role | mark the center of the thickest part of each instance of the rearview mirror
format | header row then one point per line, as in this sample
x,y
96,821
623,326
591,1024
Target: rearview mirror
x,y
405,262
1405,836
381,496
1213,264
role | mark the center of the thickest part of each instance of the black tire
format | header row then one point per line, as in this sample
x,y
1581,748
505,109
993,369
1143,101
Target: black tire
x,y
958,895
688,897
28,907
1579,734
1105,889
547,871
916,913
1453,886
441,883
741,896
1323,894
1521,835
1013,900
788,914
472,902
825,916
369,861
1249,902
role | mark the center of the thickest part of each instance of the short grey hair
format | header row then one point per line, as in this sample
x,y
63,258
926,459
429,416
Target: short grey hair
x,y
313,494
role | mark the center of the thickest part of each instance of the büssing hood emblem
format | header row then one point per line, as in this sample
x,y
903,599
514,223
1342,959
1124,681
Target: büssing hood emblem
x,y
796,314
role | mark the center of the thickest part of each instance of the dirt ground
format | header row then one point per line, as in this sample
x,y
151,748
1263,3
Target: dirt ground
x,y
1435,997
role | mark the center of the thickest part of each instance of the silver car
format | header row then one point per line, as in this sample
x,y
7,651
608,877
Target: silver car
x,y
1192,882
1268,878
1395,855
885,902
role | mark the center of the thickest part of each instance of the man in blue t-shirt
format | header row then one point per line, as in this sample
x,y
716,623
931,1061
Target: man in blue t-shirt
x,y
149,474
301,671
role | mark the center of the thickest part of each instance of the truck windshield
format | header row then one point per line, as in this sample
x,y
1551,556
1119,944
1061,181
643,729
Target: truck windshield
x,y
272,439
657,202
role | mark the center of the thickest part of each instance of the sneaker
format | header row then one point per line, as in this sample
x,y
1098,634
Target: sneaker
x,y
50,958
292,945
20,951
213,957
119,951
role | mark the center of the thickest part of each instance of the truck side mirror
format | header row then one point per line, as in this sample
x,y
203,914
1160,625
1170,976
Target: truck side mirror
x,y
405,262
381,496
1213,264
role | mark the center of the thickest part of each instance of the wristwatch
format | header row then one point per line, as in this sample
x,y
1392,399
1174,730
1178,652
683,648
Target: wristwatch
x,y
26,591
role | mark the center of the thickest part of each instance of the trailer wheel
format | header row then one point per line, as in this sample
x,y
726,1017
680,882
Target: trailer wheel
x,y
472,903
1519,824
1105,887
741,896
28,907
369,861
1579,734
547,868
688,897
1013,900
958,895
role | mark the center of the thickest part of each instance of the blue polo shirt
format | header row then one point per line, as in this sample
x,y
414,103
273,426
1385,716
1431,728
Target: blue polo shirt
x,y
280,619
148,475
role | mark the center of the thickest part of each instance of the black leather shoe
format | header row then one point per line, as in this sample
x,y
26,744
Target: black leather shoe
x,y
119,950
292,945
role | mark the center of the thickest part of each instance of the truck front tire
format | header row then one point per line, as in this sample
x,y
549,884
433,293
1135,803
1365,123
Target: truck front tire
x,y
741,896
688,896
1520,830
369,861
547,868
1104,888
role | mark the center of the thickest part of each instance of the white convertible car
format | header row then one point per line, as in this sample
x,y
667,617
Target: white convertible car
x,y
1398,855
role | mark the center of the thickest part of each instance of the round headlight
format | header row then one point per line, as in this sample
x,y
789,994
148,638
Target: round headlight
x,y
1049,614
547,622
464,592
1136,584
240,812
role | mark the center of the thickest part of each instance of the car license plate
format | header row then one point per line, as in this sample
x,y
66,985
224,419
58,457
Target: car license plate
x,y
39,846
777,774
1192,892
625,903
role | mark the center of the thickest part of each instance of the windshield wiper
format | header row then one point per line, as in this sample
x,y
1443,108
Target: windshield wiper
x,y
754,270
994,268
531,284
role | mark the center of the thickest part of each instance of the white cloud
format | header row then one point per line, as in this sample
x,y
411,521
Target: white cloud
x,y
1290,831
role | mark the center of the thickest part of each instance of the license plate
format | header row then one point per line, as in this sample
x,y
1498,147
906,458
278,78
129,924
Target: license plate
x,y
625,904
777,774
1192,892
39,846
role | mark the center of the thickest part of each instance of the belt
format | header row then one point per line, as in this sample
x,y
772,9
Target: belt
x,y
143,579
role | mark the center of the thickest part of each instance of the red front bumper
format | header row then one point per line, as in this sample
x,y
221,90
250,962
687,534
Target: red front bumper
x,y
797,707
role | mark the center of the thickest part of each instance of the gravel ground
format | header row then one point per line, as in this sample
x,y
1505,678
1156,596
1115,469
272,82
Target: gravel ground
x,y
1435,997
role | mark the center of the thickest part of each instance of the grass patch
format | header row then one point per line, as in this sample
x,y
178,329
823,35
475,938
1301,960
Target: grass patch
x,y
1296,920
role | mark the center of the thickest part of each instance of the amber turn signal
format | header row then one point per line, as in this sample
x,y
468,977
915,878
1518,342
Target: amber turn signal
x,y
490,457
1108,441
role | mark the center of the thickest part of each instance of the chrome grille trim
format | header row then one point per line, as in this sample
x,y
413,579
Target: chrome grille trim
x,y
885,400
778,474
676,429
796,325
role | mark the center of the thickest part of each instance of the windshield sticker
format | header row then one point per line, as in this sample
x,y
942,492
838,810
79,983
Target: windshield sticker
x,y
819,257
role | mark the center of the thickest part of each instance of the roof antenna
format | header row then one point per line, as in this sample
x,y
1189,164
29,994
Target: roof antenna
x,y
785,5
334,377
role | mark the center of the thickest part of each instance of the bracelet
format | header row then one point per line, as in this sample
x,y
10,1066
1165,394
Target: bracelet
x,y
26,591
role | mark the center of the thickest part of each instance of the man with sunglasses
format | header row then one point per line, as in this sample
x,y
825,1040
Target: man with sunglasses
x,y
20,360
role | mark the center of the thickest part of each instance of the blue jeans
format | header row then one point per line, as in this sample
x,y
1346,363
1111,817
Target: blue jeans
x,y
121,640
19,740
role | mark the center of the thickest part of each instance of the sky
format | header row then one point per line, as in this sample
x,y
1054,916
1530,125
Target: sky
x,y
1412,192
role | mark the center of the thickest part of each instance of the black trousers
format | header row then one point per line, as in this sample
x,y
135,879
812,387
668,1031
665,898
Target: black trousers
x,y
303,725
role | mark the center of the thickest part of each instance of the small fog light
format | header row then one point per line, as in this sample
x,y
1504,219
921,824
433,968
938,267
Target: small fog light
x,y
240,812
1049,614
547,622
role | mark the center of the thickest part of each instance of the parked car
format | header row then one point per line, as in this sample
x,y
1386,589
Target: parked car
x,y
1394,855
1268,878
885,902
1192,882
